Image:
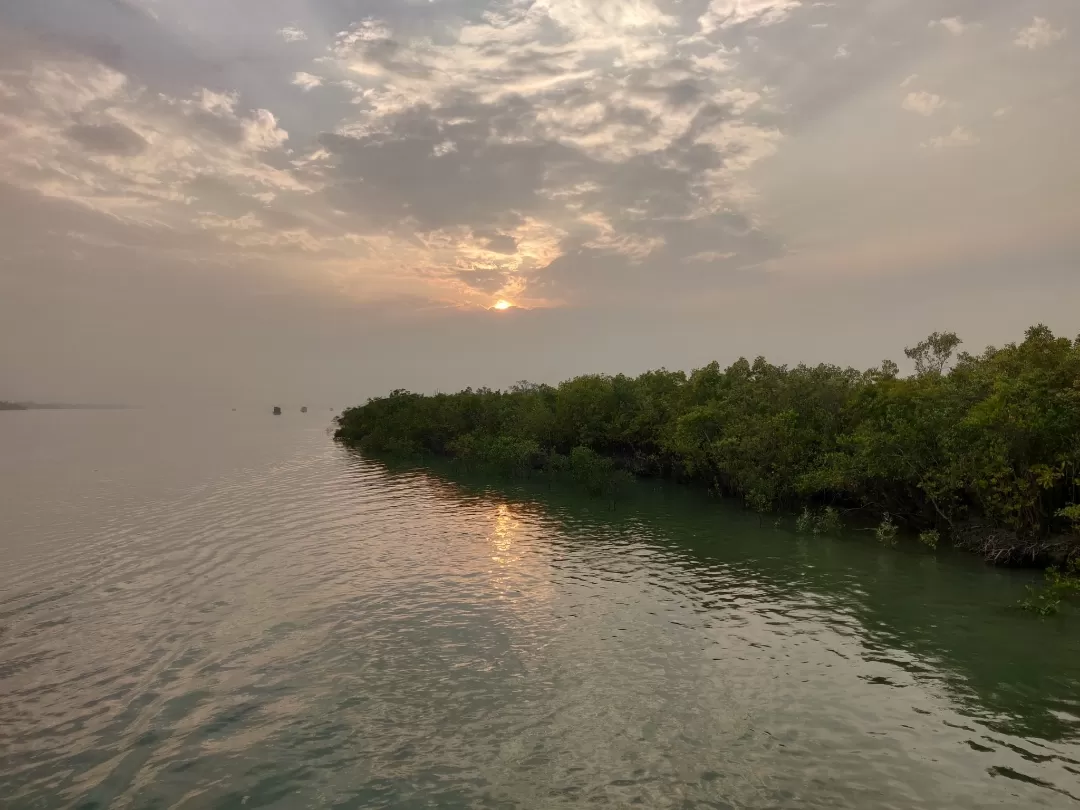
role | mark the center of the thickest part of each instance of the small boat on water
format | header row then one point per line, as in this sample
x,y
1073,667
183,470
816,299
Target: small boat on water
x,y
277,411
303,409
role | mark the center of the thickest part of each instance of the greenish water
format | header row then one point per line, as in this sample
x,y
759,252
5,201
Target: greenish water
x,y
227,610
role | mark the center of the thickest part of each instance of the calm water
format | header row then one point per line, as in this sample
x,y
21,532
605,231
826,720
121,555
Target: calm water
x,y
227,610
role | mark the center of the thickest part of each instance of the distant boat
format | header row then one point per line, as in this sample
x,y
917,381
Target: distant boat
x,y
277,411
304,409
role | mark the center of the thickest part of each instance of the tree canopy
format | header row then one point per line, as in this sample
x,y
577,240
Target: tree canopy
x,y
986,451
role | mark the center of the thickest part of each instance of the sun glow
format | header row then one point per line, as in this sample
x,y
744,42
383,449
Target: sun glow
x,y
502,304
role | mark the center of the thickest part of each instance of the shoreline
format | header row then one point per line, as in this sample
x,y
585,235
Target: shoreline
x,y
982,454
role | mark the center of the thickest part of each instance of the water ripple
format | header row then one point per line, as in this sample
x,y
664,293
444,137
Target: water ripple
x,y
305,627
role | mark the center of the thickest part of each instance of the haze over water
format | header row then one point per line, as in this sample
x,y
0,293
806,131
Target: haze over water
x,y
212,610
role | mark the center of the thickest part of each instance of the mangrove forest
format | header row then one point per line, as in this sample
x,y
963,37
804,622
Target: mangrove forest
x,y
980,450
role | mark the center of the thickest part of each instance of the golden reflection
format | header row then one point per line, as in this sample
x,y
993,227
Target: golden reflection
x,y
517,573
519,569
507,528
508,574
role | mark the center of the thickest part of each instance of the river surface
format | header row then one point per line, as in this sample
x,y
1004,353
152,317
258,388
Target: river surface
x,y
219,610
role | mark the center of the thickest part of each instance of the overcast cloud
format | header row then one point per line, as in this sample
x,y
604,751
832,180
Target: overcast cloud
x,y
315,200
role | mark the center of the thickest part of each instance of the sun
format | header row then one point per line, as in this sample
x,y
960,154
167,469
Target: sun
x,y
502,304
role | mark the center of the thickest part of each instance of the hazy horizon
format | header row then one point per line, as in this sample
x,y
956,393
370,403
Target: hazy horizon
x,y
314,202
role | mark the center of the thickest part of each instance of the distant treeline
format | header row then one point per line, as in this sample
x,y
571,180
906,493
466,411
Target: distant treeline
x,y
983,448
55,406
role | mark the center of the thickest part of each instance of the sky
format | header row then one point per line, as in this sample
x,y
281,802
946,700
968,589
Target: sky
x,y
318,201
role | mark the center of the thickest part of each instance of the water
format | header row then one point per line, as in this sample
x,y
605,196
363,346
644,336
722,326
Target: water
x,y
227,610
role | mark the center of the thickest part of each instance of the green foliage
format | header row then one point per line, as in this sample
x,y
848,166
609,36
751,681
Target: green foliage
x,y
804,523
506,454
1041,601
886,530
591,470
930,538
1071,513
991,439
932,354
1059,585
827,521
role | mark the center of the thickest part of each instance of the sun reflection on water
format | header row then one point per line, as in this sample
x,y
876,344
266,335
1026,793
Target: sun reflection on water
x,y
507,529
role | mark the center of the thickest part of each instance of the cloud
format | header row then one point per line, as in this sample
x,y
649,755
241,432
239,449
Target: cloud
x,y
108,139
137,156
923,103
954,25
709,256
307,81
533,149
606,239
722,14
290,33
959,137
592,160
1040,34
589,120
261,131
498,242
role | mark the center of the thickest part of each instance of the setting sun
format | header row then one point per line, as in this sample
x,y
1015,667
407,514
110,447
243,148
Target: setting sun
x,y
501,304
